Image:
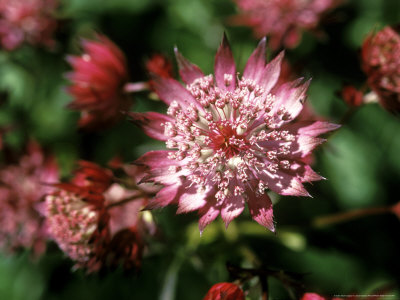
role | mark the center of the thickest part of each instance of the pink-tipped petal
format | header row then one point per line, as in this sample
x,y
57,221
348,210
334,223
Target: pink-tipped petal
x,y
188,71
256,63
155,159
151,123
305,144
232,208
270,74
164,197
260,207
169,90
190,200
208,214
225,68
311,128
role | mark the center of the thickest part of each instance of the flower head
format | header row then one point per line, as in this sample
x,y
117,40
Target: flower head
x,y
230,139
224,291
29,21
381,63
96,222
97,83
282,20
22,187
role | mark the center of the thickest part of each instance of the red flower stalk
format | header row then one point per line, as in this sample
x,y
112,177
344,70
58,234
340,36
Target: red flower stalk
x,y
282,20
224,291
98,79
381,64
230,139
30,21
96,222
22,187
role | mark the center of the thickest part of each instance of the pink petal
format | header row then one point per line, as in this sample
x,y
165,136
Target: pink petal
x,y
256,63
291,96
304,145
208,213
151,123
164,197
169,90
310,128
225,64
156,159
271,72
304,172
232,207
283,183
188,71
260,207
191,200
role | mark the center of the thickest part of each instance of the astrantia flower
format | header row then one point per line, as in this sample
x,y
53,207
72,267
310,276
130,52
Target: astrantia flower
x,y
224,291
282,20
99,76
98,223
30,21
230,139
381,62
22,187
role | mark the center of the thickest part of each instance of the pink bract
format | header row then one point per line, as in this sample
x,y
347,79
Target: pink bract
x,y
99,76
30,21
381,63
282,20
230,139
22,188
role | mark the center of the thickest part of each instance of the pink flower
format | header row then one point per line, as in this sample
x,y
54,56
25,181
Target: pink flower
x,y
30,21
99,76
96,222
282,20
22,187
381,63
224,291
230,139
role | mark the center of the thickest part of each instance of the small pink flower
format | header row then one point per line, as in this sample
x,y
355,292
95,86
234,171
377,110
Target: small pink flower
x,y
381,63
30,21
282,20
230,139
224,291
99,76
96,222
22,187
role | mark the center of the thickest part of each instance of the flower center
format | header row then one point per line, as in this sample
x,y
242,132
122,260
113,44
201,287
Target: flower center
x,y
224,139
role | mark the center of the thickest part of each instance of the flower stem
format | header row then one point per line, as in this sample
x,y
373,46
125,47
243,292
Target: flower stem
x,y
132,87
126,200
349,215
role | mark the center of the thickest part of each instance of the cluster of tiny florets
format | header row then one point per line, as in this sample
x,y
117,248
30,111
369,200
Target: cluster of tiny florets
x,y
72,222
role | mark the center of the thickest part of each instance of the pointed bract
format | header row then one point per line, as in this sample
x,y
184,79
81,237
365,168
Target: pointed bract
x,y
188,71
225,68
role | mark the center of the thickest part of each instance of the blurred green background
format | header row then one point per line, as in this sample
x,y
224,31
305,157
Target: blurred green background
x,y
361,161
